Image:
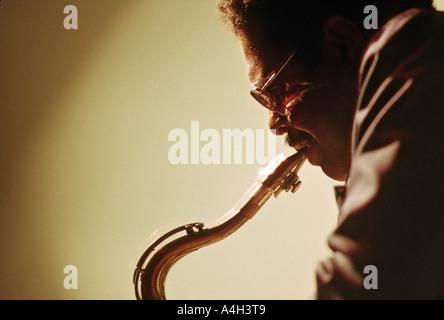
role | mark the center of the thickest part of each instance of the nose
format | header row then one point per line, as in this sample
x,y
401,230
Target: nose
x,y
278,122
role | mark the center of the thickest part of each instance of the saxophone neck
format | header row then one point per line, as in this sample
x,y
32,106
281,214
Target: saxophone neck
x,y
152,268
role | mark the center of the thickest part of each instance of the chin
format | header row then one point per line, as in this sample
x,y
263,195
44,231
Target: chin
x,y
334,169
338,175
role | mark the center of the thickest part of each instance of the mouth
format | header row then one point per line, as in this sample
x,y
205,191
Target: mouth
x,y
299,140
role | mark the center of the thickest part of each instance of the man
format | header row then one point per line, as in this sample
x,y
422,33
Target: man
x,y
368,106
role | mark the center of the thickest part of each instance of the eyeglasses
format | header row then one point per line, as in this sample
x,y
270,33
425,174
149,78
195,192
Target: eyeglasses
x,y
267,98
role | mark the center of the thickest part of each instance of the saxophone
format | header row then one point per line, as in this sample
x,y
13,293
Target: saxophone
x,y
152,269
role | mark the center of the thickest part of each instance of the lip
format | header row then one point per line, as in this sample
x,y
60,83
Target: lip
x,y
280,131
299,140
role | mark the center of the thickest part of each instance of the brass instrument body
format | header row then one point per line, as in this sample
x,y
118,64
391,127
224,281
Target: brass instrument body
x,y
149,281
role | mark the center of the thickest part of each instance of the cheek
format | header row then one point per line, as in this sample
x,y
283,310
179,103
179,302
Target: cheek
x,y
313,113
325,114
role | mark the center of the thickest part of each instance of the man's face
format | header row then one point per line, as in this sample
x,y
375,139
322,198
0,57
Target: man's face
x,y
321,117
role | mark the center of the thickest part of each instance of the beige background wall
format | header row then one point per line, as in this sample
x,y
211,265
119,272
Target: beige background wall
x,y
84,171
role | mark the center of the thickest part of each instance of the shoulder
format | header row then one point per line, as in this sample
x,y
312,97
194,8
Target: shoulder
x,y
410,27
401,63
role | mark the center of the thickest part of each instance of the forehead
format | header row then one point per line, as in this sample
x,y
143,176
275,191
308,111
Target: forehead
x,y
262,58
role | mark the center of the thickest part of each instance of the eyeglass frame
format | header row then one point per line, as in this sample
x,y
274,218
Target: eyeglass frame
x,y
259,93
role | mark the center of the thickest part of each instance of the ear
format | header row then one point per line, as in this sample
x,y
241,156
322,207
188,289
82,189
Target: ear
x,y
343,36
